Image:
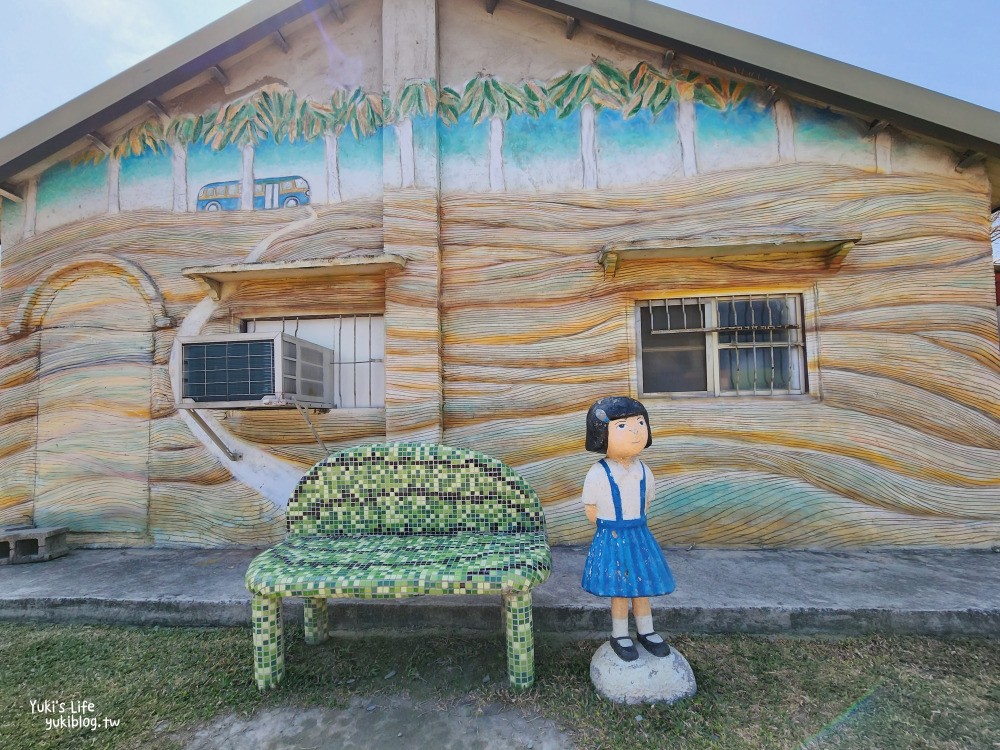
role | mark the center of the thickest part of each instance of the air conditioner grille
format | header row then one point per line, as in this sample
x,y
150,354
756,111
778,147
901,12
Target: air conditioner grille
x,y
229,370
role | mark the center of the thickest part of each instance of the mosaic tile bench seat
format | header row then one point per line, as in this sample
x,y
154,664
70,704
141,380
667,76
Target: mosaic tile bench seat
x,y
394,520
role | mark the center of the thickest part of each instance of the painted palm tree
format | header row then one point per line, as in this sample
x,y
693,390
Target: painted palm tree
x,y
327,119
487,98
414,99
147,135
181,132
244,123
595,87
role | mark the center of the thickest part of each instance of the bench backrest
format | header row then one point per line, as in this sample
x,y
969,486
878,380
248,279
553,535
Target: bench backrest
x,y
411,488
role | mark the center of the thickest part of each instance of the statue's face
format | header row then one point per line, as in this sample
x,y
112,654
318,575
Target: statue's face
x,y
627,437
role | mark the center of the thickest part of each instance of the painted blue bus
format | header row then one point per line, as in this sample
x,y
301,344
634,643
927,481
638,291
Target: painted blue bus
x,y
268,192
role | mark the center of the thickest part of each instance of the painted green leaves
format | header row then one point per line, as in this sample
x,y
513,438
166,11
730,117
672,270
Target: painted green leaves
x,y
449,106
415,99
487,98
365,113
600,84
281,113
536,97
277,113
720,93
137,139
187,129
649,89
241,123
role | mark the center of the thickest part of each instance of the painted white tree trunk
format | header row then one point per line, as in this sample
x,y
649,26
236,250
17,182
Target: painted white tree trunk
x,y
247,186
497,182
178,162
685,130
588,145
786,131
114,182
407,163
332,168
30,207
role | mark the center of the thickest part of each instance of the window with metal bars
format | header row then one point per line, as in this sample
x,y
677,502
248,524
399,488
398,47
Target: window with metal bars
x,y
741,345
358,343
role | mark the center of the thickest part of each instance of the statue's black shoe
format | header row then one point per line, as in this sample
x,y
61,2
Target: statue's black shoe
x,y
656,649
625,649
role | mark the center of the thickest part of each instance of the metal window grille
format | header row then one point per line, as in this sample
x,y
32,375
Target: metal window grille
x,y
358,343
735,345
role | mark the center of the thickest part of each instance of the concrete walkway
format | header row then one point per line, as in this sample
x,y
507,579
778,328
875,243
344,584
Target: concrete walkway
x,y
779,592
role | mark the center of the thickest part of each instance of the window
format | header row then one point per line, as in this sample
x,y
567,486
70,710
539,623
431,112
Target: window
x,y
358,343
745,345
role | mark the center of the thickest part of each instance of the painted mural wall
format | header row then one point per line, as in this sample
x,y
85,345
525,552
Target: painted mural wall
x,y
500,179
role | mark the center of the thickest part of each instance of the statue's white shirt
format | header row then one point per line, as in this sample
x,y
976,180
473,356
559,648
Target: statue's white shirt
x,y
597,489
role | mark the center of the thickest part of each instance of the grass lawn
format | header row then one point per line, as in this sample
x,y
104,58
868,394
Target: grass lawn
x,y
871,692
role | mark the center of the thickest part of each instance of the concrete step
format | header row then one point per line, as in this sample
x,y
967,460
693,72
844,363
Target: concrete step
x,y
788,592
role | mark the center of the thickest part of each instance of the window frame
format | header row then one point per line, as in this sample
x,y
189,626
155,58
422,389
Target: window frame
x,y
808,365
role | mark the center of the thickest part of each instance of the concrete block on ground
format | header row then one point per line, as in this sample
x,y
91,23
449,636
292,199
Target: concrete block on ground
x,y
24,545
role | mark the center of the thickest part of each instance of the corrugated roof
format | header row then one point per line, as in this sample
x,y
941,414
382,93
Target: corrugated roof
x,y
961,124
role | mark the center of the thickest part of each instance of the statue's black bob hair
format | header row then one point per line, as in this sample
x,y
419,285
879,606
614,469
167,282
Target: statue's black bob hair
x,y
607,410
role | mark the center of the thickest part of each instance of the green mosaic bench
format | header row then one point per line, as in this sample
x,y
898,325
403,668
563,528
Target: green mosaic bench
x,y
394,520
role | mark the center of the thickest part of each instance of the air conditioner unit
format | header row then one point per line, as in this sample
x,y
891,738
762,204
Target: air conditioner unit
x,y
254,370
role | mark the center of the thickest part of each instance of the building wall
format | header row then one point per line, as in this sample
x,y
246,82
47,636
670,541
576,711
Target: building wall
x,y
502,328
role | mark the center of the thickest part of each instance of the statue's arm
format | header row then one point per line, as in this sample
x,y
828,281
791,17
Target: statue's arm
x,y
591,494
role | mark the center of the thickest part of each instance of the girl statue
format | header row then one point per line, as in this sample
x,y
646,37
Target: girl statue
x,y
624,561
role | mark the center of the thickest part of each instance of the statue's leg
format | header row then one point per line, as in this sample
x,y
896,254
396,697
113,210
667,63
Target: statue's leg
x,y
316,619
268,641
641,607
621,641
651,640
619,608
520,640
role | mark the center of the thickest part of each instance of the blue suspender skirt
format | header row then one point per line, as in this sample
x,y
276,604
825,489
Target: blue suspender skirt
x,y
624,558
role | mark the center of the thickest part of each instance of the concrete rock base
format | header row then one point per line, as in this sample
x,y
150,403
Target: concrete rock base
x,y
648,679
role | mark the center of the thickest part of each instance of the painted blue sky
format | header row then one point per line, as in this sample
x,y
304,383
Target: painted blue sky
x,y
944,46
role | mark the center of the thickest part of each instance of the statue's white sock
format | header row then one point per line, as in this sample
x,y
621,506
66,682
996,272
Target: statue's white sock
x,y
619,628
644,624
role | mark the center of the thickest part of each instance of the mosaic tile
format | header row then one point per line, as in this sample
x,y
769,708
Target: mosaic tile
x,y
393,520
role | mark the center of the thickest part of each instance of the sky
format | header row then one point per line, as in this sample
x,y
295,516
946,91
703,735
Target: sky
x,y
54,50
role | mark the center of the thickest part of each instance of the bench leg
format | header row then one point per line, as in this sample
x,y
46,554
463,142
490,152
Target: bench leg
x,y
316,618
268,641
520,640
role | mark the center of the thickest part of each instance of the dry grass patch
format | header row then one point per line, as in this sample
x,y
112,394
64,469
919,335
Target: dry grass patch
x,y
813,694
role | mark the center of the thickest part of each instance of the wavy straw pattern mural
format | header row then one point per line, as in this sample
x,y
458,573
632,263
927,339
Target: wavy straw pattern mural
x,y
899,447
897,444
